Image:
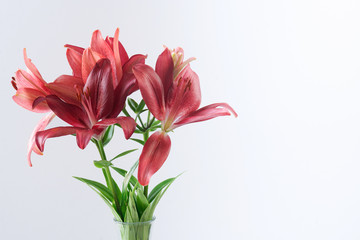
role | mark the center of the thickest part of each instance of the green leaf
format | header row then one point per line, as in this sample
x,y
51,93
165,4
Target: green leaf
x,y
125,191
108,135
131,211
117,189
156,122
132,104
138,141
123,154
149,211
122,172
141,106
138,131
156,190
102,164
141,201
124,203
106,177
129,175
98,186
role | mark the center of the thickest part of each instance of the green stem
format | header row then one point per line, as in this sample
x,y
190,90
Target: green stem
x,y
146,135
107,174
148,120
146,189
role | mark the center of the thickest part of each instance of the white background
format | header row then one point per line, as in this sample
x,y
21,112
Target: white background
x,y
286,168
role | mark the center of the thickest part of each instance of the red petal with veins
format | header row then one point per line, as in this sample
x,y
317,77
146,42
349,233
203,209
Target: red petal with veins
x,y
99,86
83,137
75,48
127,84
24,79
32,147
99,45
184,96
151,89
118,65
128,74
42,136
127,124
153,156
165,68
70,113
89,59
25,98
206,113
75,61
34,71
65,88
122,52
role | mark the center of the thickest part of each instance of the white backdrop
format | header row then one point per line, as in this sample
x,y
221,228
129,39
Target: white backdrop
x,y
287,168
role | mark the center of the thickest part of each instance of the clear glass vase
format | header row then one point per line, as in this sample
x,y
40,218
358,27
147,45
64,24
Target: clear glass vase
x,y
134,231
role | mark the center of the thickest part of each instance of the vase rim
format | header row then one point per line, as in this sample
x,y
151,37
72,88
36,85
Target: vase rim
x,y
135,223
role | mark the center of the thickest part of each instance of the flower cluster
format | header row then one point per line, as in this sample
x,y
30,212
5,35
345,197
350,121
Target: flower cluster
x,y
92,99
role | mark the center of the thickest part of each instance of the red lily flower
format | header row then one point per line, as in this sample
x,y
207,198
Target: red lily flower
x,y
29,85
95,110
89,104
172,94
82,61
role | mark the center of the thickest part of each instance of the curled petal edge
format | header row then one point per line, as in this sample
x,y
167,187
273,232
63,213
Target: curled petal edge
x,y
206,113
32,147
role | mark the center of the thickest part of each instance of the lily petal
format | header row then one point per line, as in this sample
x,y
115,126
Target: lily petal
x,y
83,137
128,74
89,59
32,147
75,61
33,70
115,47
122,52
65,87
99,86
151,88
127,84
127,124
23,79
99,45
184,96
153,156
70,113
75,48
42,136
25,98
165,68
206,113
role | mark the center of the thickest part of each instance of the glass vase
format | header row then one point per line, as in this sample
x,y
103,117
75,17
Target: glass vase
x,y
134,231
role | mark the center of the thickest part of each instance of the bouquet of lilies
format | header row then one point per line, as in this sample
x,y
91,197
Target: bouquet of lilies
x,y
95,99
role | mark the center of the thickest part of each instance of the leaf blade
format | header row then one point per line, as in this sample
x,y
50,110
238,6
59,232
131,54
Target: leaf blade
x,y
123,154
99,186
